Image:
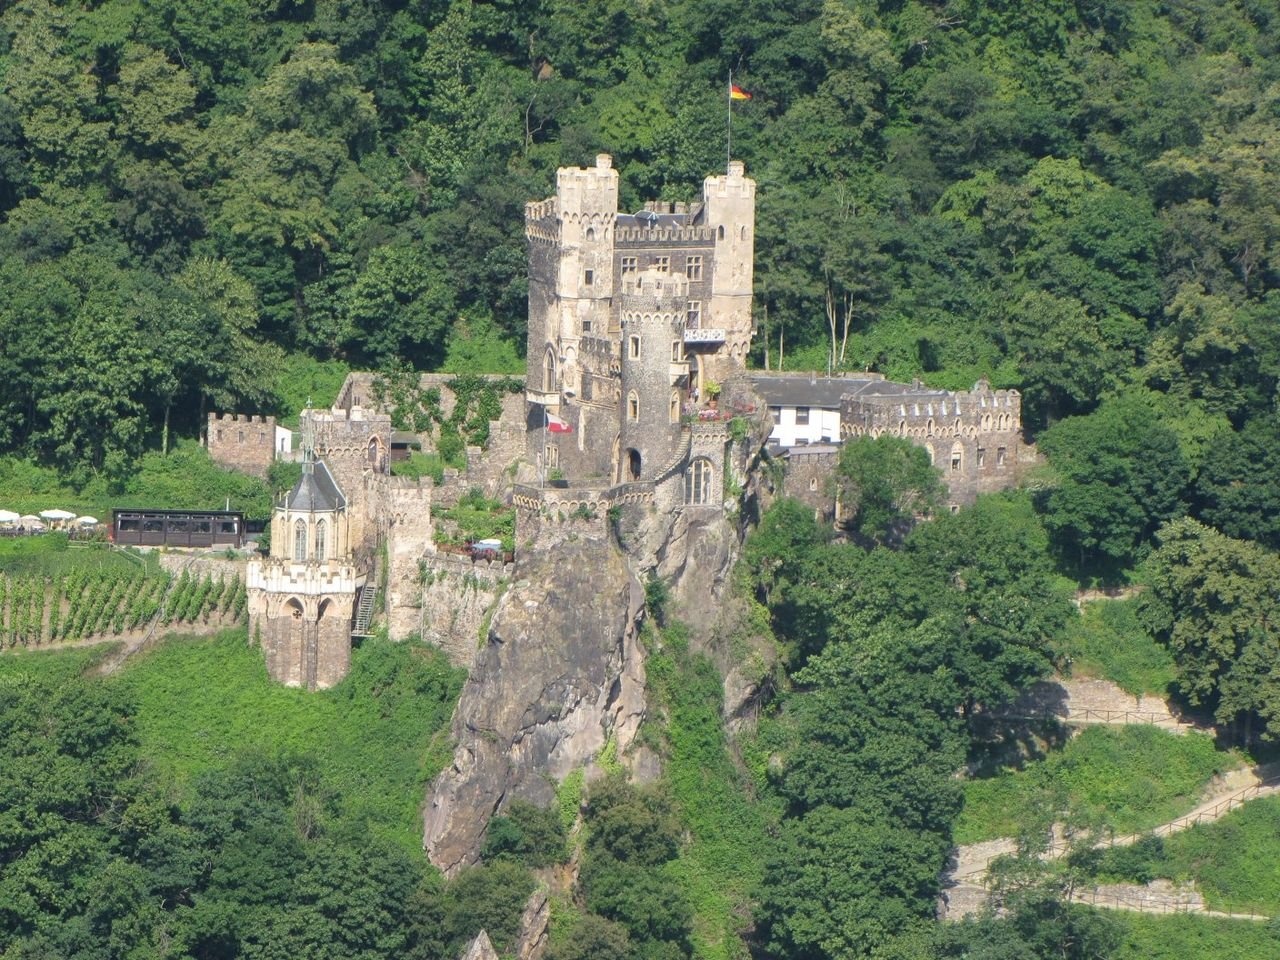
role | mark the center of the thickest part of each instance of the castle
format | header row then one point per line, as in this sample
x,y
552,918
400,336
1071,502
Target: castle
x,y
636,395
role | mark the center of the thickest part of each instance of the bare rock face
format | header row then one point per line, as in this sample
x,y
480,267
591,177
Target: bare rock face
x,y
562,672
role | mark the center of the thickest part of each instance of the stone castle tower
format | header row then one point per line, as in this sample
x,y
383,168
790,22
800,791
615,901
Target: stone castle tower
x,y
302,597
630,315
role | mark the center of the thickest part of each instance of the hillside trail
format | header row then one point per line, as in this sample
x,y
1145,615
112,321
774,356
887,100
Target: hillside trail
x,y
1089,702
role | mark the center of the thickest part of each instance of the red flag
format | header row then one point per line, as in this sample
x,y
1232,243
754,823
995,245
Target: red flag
x,y
556,425
737,93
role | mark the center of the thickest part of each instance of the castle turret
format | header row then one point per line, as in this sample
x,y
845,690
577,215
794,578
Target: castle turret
x,y
571,240
730,205
653,368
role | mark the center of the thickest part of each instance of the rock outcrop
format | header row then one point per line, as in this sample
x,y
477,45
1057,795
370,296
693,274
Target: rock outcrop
x,y
561,674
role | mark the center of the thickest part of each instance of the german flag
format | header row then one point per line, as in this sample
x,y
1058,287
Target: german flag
x,y
737,93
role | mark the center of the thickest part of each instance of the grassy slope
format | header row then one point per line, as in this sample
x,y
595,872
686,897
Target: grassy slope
x,y
721,866
1108,641
1184,937
1129,778
378,736
50,556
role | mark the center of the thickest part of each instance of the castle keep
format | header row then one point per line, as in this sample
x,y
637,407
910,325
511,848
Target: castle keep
x,y
631,316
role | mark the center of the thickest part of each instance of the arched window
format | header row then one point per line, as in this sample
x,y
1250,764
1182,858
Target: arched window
x,y
633,407
929,427
957,457
300,541
549,370
675,406
322,531
697,481
591,233
720,232
742,233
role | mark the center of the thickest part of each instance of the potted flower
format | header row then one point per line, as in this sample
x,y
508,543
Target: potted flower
x,y
711,390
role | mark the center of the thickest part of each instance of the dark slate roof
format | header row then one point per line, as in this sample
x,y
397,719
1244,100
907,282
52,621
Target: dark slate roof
x,y
316,491
826,392
648,220
404,436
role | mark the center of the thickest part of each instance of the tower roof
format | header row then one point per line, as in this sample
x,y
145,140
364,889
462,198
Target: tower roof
x,y
317,491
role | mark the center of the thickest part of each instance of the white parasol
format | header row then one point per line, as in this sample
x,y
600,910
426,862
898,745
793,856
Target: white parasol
x,y
31,521
57,514
8,516
87,521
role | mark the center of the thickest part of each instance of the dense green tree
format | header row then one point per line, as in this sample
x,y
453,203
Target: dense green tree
x,y
884,483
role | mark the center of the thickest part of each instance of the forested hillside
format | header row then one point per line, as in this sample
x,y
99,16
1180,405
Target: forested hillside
x,y
1070,197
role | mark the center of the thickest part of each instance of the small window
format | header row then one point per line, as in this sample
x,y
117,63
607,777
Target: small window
x,y
813,483
693,268
1000,456
662,264
633,348
588,277
955,508
742,233
675,406
693,314
802,416
130,525
240,436
633,407
591,235
677,351
227,526
630,264
776,413
720,232
153,526
202,526
219,434
553,456
982,458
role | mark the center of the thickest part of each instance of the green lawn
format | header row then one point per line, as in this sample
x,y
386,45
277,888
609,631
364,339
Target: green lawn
x,y
50,555
1187,937
1109,642
1127,778
378,736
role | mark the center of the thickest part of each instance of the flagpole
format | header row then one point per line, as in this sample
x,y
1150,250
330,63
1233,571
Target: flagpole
x,y
546,424
728,140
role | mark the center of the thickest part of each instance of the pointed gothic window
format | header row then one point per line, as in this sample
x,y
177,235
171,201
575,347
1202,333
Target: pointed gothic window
x,y
322,530
300,541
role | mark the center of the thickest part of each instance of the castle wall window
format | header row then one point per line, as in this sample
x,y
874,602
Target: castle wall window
x,y
240,436
675,406
982,458
693,268
693,314
633,407
591,235
630,264
697,481
633,348
677,351
957,458
662,264
300,541
813,484
1000,456
322,531
549,370
588,277
802,416
720,232
219,432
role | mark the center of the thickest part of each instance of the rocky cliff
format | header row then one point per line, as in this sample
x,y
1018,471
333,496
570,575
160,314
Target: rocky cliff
x,y
561,673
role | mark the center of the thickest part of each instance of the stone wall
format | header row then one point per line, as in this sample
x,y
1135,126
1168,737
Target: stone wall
x,y
809,478
405,518
199,566
456,598
242,443
306,640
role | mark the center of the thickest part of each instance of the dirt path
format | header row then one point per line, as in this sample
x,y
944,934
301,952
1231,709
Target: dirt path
x,y
964,883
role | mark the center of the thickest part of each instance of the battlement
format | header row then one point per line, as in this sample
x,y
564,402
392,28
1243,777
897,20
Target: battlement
x,y
654,236
232,419
734,185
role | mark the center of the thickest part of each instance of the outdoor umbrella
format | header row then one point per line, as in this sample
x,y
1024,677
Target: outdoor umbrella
x,y
87,521
8,516
57,514
31,521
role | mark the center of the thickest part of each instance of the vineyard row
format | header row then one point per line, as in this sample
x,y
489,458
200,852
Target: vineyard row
x,y
37,610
